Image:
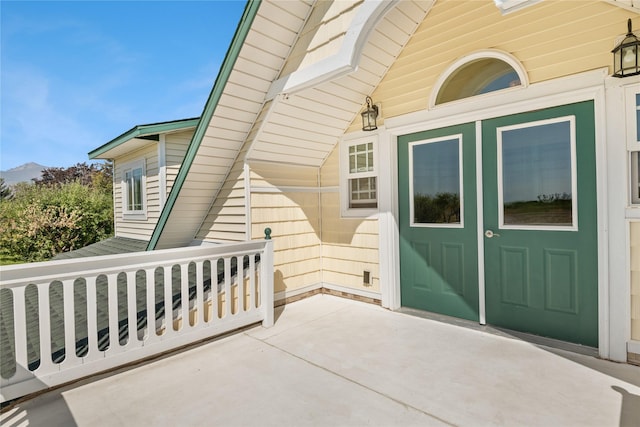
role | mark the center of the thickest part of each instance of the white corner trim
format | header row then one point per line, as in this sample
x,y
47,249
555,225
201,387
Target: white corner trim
x,y
343,62
480,54
247,200
162,170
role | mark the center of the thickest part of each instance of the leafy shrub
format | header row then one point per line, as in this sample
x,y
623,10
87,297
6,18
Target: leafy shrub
x,y
41,221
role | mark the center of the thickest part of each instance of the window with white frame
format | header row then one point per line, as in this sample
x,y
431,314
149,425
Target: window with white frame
x,y
133,190
359,174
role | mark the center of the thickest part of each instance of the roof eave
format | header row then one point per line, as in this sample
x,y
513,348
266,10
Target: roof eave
x,y
244,26
102,152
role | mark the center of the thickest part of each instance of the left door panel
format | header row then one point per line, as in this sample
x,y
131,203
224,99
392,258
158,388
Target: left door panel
x,y
438,221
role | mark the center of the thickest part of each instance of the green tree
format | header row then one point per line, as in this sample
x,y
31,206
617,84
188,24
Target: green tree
x,y
43,220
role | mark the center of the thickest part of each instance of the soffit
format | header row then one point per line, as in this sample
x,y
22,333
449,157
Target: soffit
x,y
303,127
299,128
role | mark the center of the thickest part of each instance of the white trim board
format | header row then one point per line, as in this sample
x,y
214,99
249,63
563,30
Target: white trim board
x,y
580,87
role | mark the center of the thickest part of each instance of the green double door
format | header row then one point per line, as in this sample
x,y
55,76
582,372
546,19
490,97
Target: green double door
x,y
533,218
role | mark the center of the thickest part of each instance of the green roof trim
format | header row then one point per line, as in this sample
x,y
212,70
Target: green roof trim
x,y
142,130
250,12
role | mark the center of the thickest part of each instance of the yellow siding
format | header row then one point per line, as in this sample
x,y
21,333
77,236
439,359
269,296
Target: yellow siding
x,y
551,39
295,224
176,145
635,281
226,220
138,229
349,246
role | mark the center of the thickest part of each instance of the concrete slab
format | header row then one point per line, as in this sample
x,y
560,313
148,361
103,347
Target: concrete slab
x,y
331,361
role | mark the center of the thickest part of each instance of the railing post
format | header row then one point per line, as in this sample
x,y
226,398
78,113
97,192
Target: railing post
x,y
266,280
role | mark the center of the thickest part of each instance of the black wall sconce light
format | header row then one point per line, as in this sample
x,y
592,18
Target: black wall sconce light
x,y
625,55
369,116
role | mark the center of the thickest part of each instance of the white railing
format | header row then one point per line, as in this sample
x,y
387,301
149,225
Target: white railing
x,y
60,318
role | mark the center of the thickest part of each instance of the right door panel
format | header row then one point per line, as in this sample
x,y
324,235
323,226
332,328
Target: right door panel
x,y
540,220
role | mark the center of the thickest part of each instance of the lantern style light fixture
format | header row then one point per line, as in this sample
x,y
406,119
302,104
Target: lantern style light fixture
x,y
625,55
369,116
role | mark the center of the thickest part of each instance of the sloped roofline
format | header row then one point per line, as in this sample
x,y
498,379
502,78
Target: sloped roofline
x,y
143,130
249,14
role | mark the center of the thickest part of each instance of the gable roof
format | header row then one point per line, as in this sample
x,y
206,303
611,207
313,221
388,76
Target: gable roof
x,y
287,91
139,135
263,108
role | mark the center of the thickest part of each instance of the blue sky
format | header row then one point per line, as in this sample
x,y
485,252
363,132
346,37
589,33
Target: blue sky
x,y
76,74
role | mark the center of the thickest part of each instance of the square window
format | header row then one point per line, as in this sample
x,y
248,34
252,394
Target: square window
x,y
358,177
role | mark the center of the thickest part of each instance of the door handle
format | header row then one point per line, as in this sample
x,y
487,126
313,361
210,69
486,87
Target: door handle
x,y
489,234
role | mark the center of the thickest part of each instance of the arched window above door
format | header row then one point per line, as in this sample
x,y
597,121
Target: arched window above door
x,y
477,74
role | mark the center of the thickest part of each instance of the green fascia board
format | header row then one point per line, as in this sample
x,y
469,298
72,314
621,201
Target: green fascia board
x,y
250,12
142,130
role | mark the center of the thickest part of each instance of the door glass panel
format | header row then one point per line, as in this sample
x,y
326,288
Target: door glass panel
x,y
435,178
536,174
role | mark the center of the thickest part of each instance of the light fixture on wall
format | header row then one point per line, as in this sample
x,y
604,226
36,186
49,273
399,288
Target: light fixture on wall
x,y
625,55
369,116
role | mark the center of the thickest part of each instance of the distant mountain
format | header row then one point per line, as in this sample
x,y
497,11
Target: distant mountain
x,y
24,173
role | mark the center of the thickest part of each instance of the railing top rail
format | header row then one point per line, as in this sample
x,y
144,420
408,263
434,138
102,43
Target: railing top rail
x,y
15,275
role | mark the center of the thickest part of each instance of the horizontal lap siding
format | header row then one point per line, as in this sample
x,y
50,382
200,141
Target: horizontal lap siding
x,y
552,39
226,220
176,145
138,229
293,216
349,246
217,170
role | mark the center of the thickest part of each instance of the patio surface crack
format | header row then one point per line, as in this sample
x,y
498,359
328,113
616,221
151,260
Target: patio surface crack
x,y
406,405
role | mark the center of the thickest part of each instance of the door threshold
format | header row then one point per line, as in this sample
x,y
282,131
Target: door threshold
x,y
503,332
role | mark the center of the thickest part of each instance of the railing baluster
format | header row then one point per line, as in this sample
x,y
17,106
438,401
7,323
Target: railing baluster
x,y
199,302
114,332
228,300
215,295
184,295
151,306
132,312
44,320
92,319
252,282
20,330
240,277
168,302
68,299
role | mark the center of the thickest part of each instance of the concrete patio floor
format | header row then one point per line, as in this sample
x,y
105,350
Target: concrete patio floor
x,y
334,362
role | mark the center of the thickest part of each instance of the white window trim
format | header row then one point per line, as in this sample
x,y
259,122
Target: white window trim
x,y
574,176
412,222
126,213
481,54
345,176
613,319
